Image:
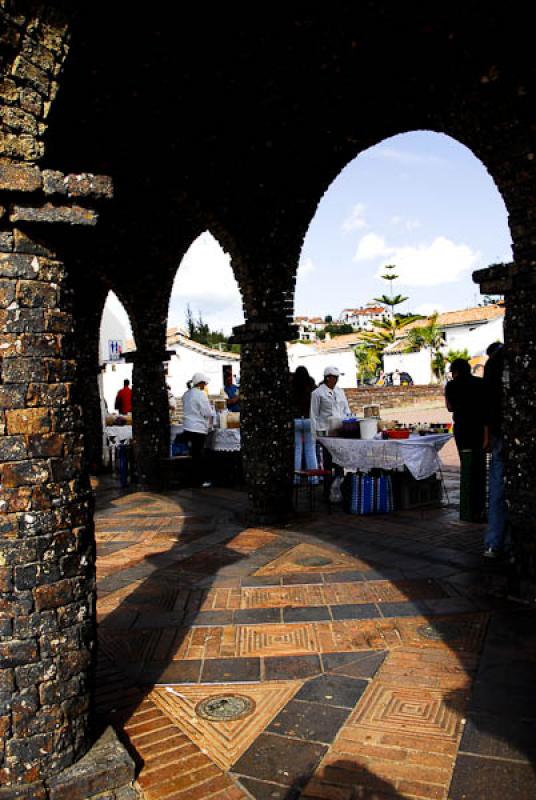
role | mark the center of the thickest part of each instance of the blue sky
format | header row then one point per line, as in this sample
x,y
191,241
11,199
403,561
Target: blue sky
x,y
419,200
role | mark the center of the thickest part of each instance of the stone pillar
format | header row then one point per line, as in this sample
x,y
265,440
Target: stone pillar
x,y
150,415
518,284
47,549
266,419
265,411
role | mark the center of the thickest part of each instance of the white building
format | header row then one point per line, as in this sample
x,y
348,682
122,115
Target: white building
x,y
336,352
363,318
189,357
471,329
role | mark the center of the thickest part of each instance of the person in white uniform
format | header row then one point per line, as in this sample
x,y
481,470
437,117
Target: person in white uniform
x,y
197,421
328,400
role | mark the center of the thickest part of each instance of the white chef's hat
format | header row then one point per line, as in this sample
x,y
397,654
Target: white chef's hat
x,y
200,377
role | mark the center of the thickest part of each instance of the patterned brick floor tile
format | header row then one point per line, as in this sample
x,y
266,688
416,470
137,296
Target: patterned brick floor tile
x,y
434,669
251,539
311,558
420,711
280,597
460,632
224,741
271,640
356,635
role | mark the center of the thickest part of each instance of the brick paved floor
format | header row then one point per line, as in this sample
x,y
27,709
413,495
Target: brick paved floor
x,y
349,657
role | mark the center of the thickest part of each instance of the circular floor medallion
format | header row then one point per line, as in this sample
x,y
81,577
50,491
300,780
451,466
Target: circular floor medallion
x,y
225,707
313,561
441,631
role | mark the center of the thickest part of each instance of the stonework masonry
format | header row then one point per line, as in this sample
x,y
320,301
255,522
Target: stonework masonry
x,y
214,123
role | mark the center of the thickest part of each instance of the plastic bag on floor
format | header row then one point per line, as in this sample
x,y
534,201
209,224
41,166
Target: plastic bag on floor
x,y
335,494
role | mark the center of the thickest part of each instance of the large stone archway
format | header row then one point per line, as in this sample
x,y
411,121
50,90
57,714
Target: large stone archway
x,y
246,126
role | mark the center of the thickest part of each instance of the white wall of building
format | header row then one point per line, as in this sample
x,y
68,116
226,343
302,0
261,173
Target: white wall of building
x,y
111,329
475,338
182,366
315,362
418,365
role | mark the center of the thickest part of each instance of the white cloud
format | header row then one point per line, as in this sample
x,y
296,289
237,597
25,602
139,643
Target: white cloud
x,y
205,281
371,246
116,307
442,261
355,221
205,272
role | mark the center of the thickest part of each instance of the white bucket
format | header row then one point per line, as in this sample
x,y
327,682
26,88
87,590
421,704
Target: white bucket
x,y
368,428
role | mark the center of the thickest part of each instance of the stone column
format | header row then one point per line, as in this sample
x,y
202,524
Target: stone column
x,y
47,549
518,284
266,419
150,415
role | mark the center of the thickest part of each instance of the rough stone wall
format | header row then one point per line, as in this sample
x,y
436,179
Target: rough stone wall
x,y
33,47
47,548
393,396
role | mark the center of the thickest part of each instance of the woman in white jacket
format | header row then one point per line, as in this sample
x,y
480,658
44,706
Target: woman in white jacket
x,y
197,422
327,401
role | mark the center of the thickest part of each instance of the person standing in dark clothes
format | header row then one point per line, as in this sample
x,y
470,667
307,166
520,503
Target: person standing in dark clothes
x,y
495,536
302,386
464,396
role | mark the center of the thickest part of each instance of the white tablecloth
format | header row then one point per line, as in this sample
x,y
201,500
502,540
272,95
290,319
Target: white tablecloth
x,y
224,440
118,433
220,439
419,454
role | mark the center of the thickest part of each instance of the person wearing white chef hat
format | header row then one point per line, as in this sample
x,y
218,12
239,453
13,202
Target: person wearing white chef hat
x,y
328,400
197,422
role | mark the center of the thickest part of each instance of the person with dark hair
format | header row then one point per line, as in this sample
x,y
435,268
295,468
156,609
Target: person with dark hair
x,y
302,386
495,536
123,400
464,396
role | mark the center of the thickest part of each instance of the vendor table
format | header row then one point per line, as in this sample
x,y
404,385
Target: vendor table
x,y
118,433
225,440
419,454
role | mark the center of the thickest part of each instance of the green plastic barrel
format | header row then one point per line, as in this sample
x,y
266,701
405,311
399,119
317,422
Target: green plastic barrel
x,y
473,486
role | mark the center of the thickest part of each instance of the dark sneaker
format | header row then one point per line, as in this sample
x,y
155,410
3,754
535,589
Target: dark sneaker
x,y
490,552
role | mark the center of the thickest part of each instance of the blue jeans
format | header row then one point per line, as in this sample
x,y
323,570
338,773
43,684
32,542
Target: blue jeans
x,y
304,447
495,535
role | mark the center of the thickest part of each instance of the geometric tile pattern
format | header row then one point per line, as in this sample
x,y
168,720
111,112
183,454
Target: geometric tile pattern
x,y
466,633
408,710
250,540
224,741
309,558
276,640
156,572
280,597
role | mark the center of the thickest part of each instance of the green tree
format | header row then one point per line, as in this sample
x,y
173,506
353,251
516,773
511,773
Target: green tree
x,y
429,336
367,359
452,355
329,318
391,300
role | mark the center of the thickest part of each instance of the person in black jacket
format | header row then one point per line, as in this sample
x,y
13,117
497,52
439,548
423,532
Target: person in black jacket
x,y
495,536
464,396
